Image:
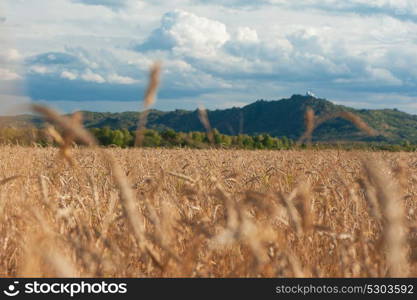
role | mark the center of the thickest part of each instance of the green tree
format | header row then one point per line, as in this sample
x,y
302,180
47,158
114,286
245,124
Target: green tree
x,y
168,137
267,141
226,140
285,142
104,136
117,138
247,142
217,137
197,137
152,138
128,139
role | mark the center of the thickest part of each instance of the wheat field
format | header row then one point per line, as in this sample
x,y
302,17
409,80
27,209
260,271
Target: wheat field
x,y
207,213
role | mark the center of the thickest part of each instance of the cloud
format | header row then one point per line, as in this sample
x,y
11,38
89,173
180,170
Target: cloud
x,y
203,56
52,59
210,47
55,63
391,7
400,9
211,52
247,35
55,88
80,75
9,59
10,55
39,69
113,4
79,64
187,34
8,75
115,78
68,75
87,75
243,4
92,77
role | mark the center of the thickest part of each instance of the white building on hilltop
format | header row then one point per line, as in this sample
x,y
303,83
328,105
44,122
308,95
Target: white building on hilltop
x,y
311,94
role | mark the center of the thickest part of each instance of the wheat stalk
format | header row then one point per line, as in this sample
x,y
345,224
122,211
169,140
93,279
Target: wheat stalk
x,y
149,100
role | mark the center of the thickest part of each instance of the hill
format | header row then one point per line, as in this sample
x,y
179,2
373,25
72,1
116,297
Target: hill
x,y
278,118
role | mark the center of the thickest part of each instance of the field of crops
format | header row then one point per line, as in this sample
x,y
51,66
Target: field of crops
x,y
207,213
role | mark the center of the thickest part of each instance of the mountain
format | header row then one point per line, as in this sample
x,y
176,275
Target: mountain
x,y
278,118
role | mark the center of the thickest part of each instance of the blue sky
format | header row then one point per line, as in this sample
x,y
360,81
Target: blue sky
x,y
95,54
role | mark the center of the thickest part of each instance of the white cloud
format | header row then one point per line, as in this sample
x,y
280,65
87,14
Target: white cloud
x,y
68,75
395,7
7,75
80,64
187,34
247,35
183,75
92,77
115,78
114,4
39,69
384,76
10,55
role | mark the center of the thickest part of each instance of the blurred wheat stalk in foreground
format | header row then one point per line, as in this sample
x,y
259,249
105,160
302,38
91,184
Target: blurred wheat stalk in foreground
x,y
149,100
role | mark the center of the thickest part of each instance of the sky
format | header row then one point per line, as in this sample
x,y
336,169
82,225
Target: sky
x,y
96,54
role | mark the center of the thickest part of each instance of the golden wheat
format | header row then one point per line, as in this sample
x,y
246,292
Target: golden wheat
x,y
206,213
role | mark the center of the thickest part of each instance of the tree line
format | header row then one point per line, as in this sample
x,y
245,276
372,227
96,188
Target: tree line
x,y
169,138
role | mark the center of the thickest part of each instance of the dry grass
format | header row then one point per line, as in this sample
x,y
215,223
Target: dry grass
x,y
207,213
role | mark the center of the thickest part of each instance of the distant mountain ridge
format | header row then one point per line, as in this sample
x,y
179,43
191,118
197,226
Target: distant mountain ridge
x,y
278,118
